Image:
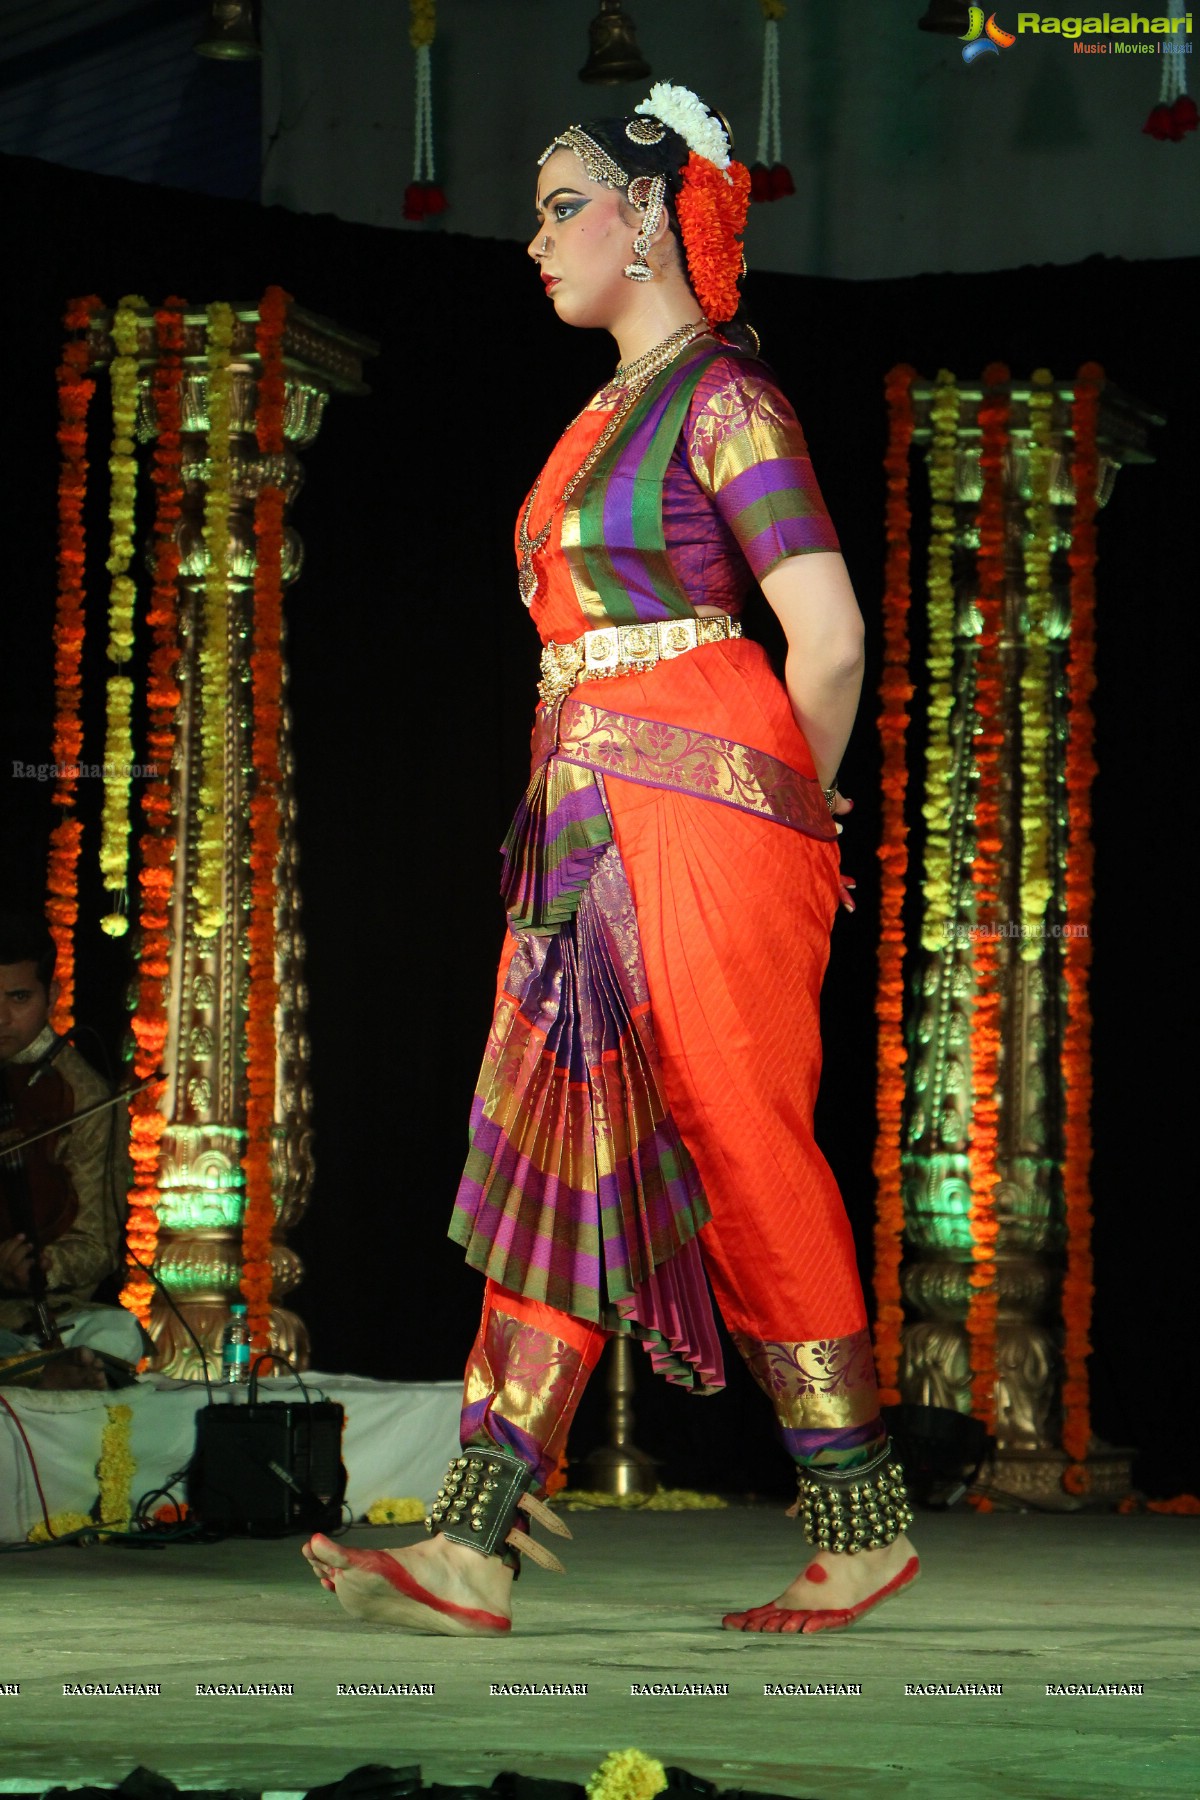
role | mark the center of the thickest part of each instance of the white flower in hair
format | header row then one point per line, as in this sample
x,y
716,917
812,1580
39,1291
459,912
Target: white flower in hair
x,y
687,114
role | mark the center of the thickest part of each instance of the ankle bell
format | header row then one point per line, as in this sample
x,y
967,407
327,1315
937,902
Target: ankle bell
x,y
855,1509
478,1503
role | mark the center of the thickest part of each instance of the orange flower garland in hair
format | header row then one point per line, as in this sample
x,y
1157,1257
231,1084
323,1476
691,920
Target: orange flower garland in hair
x,y
75,390
1077,959
712,206
266,669
985,878
895,691
157,843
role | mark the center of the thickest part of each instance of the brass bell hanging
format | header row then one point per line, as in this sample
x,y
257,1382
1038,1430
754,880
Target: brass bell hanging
x,y
229,32
614,55
952,18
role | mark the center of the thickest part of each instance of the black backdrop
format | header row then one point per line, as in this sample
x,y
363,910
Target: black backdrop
x,y
413,667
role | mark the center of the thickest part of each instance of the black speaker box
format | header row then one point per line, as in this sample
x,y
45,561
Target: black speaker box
x,y
267,1469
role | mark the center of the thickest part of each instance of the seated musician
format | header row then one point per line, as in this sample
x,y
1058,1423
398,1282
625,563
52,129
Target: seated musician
x,y
62,1200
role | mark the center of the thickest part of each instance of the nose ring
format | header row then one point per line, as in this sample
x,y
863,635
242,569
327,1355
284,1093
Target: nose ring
x,y
544,245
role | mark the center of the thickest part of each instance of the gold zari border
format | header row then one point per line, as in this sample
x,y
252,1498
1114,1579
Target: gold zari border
x,y
659,754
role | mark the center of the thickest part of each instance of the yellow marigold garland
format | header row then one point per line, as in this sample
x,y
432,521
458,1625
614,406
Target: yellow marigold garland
x,y
1078,1291
985,879
63,1524
1037,881
208,883
664,1500
422,23
115,1470
939,757
404,1511
627,1775
266,671
118,741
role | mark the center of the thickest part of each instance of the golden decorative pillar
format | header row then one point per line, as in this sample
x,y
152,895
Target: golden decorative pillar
x,y
201,1184
935,1366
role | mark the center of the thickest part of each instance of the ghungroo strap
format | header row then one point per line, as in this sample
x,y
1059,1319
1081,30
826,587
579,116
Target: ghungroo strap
x,y
855,1509
478,1502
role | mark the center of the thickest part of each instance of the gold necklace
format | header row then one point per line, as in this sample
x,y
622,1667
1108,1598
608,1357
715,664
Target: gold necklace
x,y
637,376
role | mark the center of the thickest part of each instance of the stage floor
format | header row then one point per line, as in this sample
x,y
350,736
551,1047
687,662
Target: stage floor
x,y
1022,1601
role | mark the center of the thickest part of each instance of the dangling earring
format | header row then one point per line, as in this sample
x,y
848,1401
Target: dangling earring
x,y
647,193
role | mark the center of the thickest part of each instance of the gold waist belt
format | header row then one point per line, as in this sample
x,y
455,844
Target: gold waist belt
x,y
626,650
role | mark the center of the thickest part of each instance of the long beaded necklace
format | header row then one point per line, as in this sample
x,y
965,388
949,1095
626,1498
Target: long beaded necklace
x,y
636,377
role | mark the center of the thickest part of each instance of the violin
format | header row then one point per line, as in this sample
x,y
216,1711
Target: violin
x,y
37,1196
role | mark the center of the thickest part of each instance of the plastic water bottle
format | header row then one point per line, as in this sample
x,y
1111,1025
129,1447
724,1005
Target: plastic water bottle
x,y
235,1349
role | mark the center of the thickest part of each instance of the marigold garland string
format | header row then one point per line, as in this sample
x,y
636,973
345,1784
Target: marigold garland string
x,y
939,754
627,1775
711,207
1078,1291
115,1470
266,666
895,693
157,841
1037,883
985,878
118,741
75,390
209,881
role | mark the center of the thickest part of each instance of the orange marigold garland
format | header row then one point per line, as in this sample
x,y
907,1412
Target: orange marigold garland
x,y
895,693
266,668
75,390
1077,943
985,878
157,843
711,206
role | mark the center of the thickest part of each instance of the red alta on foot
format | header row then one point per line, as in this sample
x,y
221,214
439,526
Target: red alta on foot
x,y
420,1609
784,1619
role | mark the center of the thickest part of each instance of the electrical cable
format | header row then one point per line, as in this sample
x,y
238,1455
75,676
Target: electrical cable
x,y
37,1480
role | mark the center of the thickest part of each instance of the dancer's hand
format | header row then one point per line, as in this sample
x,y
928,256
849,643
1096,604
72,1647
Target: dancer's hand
x,y
841,804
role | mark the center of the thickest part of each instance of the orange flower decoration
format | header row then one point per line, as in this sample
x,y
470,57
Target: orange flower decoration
x,y
895,693
75,390
156,880
711,207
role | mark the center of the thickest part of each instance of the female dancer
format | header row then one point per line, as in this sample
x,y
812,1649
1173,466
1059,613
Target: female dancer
x,y
643,1118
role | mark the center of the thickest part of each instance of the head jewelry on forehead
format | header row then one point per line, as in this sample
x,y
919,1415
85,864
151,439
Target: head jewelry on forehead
x,y
598,165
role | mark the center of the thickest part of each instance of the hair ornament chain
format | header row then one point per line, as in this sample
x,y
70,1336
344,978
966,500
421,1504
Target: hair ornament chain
x,y
598,165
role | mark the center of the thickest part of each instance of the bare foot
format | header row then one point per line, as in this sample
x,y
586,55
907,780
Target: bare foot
x,y
78,1369
835,1583
432,1586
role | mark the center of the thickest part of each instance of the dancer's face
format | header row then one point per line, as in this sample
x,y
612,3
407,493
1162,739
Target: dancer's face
x,y
582,243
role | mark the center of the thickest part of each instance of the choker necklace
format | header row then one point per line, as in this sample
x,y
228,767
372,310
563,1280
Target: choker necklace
x,y
635,377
